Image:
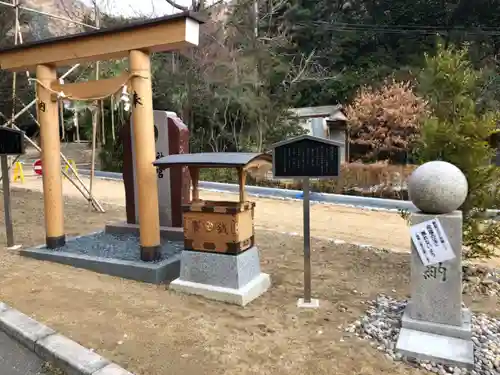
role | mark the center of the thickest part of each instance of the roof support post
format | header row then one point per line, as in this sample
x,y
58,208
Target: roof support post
x,y
242,177
145,155
48,117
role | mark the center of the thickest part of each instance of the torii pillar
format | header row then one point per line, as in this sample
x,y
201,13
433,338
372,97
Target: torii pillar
x,y
48,117
135,41
145,155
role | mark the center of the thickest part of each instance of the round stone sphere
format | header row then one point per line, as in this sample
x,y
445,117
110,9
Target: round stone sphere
x,y
437,187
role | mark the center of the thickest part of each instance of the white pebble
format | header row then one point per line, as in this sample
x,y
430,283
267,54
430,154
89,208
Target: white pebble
x,y
382,322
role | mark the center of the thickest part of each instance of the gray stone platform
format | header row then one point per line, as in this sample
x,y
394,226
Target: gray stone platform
x,y
115,255
234,279
437,342
427,346
463,331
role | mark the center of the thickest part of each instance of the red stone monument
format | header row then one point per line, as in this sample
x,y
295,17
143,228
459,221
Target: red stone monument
x,y
171,137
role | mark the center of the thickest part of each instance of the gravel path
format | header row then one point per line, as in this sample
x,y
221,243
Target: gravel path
x,y
382,322
121,246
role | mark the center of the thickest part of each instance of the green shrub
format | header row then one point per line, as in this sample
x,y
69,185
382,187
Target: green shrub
x,y
457,132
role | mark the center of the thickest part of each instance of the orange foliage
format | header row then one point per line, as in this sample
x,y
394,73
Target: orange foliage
x,y
386,120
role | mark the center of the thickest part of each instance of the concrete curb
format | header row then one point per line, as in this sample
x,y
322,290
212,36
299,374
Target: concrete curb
x,y
53,347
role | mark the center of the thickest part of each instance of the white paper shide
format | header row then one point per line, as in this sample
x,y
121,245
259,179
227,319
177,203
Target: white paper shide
x,y
431,242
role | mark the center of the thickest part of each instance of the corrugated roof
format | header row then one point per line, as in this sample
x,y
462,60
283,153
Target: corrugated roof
x,y
321,111
308,137
212,159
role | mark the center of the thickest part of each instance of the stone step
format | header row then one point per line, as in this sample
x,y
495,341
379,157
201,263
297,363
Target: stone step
x,y
436,348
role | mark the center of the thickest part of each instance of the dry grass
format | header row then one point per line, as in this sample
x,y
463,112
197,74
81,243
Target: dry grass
x,y
355,178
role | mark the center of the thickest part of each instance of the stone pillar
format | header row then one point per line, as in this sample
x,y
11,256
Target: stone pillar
x,y
180,180
48,117
435,326
144,151
171,137
436,291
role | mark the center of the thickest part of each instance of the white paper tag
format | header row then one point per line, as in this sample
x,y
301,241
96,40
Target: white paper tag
x,y
431,242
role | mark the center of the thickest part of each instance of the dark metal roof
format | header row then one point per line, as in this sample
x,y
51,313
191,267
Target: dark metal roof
x,y
308,137
104,31
212,159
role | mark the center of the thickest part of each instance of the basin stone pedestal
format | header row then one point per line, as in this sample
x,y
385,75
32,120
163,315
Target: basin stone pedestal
x,y
220,260
235,279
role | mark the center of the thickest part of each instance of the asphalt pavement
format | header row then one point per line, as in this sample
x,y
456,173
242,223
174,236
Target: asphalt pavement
x,y
15,359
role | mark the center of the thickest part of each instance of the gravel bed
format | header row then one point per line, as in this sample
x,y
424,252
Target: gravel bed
x,y
116,246
480,279
382,322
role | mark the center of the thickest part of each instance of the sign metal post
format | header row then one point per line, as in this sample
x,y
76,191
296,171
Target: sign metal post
x,y
306,157
9,229
307,241
11,143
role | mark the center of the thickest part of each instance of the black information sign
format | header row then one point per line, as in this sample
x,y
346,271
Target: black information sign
x,y
11,141
306,156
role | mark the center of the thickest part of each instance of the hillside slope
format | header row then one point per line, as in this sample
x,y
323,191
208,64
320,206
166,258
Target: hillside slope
x,y
41,26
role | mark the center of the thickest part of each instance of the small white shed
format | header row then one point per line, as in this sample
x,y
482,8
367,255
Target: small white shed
x,y
326,122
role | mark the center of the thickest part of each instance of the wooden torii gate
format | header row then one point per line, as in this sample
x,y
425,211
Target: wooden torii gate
x,y
135,41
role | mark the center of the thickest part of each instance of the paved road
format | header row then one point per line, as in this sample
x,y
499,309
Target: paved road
x,y
15,359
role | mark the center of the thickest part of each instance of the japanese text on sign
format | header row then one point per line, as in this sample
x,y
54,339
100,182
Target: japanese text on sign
x,y
209,226
435,272
159,171
431,242
306,158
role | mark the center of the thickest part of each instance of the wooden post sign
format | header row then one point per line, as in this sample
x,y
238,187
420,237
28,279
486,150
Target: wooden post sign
x,y
11,143
306,157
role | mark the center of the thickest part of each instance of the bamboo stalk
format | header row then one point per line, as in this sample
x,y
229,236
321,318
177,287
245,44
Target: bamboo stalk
x,y
94,134
95,112
61,116
103,135
14,74
112,104
15,4
77,125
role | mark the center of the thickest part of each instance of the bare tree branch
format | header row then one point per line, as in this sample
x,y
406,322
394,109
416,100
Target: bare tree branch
x,y
304,65
175,5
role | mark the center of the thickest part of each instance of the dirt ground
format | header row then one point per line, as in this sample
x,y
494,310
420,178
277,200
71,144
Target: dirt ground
x,y
152,331
381,229
353,225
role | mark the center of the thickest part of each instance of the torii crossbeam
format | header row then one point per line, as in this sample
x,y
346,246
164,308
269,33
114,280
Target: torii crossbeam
x,y
135,40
